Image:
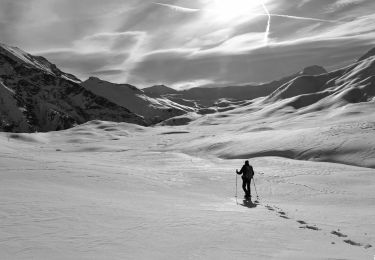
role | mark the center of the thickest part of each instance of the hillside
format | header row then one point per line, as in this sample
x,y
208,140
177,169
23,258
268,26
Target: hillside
x,y
105,190
352,84
153,110
40,97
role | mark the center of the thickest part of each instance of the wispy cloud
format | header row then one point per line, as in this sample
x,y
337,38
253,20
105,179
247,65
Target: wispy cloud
x,y
303,18
181,41
109,42
178,8
267,32
343,3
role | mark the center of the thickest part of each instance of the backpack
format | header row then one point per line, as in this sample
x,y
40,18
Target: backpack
x,y
248,171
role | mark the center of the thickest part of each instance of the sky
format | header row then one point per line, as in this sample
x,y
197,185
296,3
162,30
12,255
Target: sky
x,y
189,43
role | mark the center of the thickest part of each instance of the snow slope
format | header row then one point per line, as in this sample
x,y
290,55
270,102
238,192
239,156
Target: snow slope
x,y
152,109
352,84
107,190
328,117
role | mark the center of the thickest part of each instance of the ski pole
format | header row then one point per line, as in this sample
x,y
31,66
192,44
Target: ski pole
x,y
236,190
255,188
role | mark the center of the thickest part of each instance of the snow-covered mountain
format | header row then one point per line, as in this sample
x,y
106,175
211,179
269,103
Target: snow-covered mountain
x,y
159,90
309,90
37,96
154,110
208,96
352,84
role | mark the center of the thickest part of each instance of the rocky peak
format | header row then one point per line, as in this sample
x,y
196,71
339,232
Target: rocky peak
x,y
159,90
102,83
313,70
20,58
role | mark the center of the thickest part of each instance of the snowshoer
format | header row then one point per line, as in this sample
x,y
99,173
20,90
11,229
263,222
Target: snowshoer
x,y
247,174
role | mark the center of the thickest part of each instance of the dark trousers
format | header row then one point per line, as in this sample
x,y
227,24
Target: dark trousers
x,y
246,186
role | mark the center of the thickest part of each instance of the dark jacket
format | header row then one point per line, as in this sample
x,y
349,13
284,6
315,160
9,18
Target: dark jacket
x,y
247,172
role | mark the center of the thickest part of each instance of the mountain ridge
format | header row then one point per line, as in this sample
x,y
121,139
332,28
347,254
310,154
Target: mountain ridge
x,y
354,83
152,109
208,96
47,98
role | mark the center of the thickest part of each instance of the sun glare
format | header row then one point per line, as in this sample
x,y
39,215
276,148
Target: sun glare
x,y
231,9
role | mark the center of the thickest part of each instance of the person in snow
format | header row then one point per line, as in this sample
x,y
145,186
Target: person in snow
x,y
247,174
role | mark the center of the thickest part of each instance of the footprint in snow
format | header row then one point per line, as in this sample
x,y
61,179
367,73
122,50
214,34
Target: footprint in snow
x,y
367,246
282,214
351,242
339,234
310,227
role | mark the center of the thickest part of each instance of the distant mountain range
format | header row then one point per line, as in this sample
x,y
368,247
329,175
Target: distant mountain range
x,y
36,96
206,97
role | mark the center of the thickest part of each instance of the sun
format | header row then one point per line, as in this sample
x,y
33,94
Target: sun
x,y
227,10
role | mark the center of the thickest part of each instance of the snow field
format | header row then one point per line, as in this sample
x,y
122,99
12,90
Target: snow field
x,y
129,193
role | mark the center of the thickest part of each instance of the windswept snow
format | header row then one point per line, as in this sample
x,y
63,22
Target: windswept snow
x,y
107,190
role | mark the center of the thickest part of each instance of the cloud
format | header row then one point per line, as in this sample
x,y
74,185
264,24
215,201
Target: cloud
x,y
189,42
303,18
354,8
182,69
105,73
13,10
344,3
102,54
109,42
236,45
179,8
85,64
267,32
